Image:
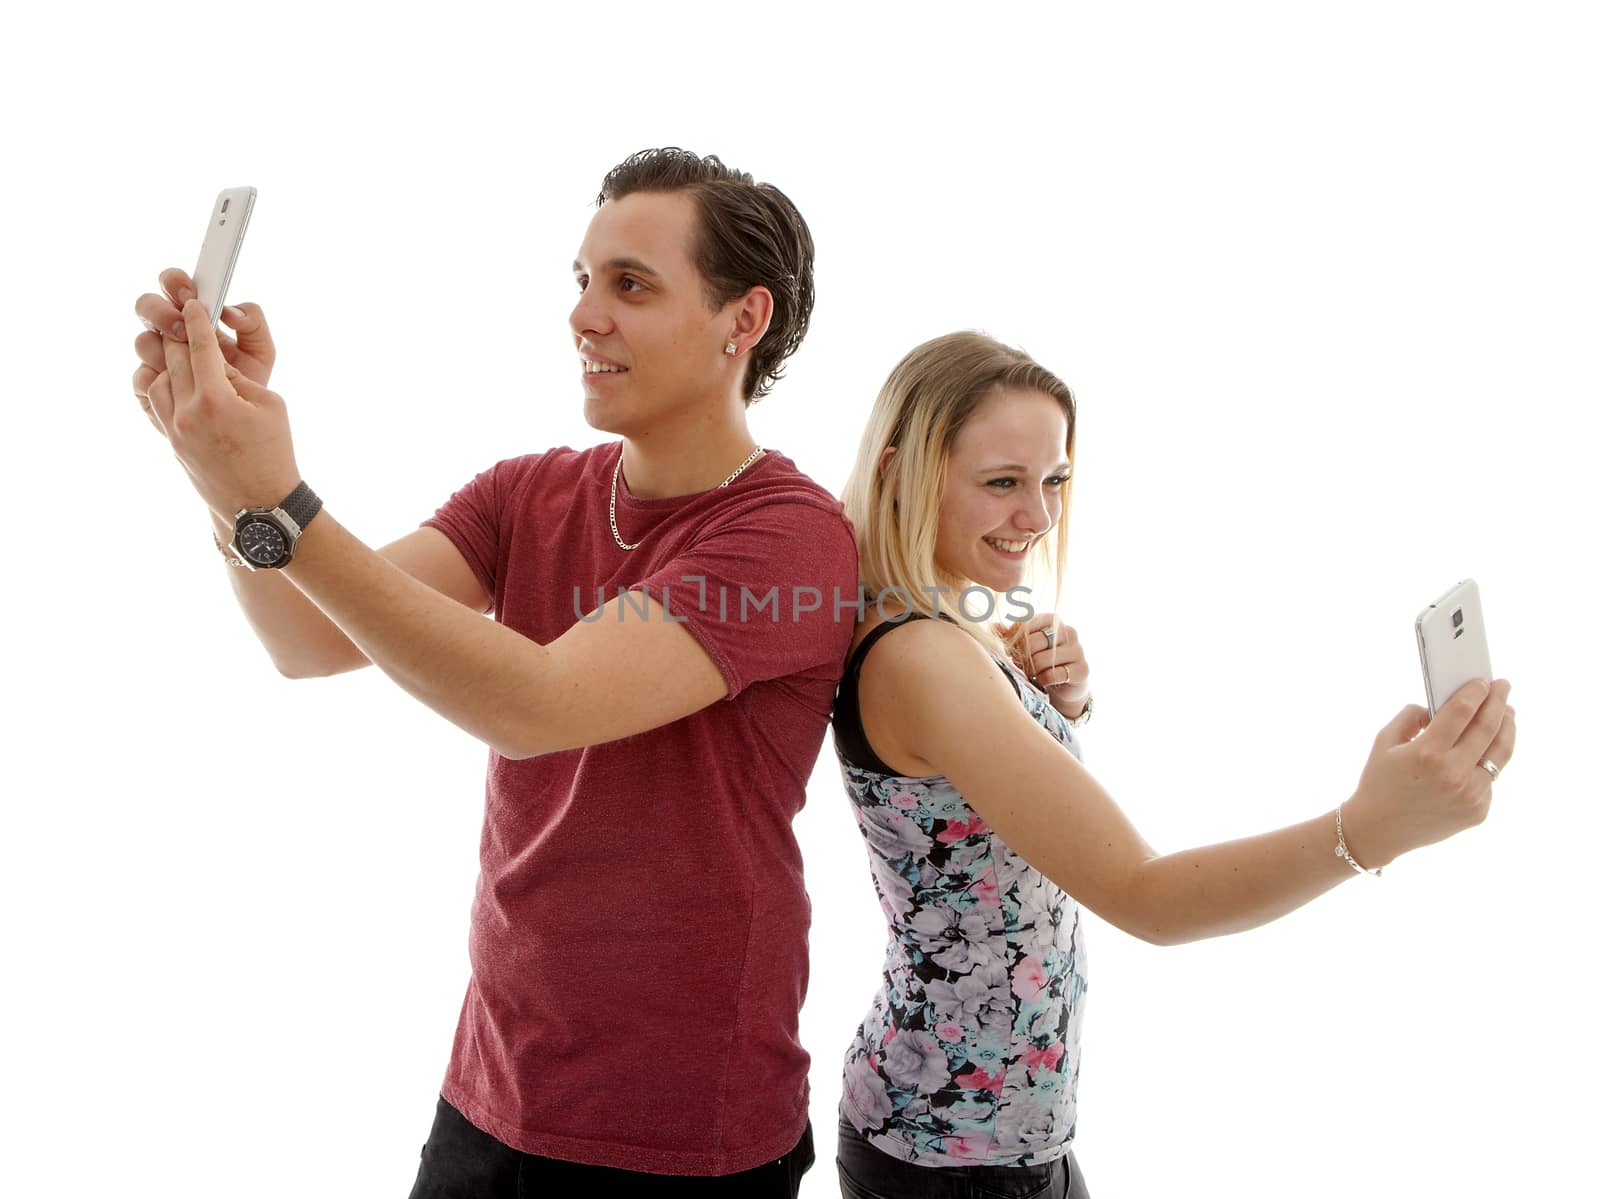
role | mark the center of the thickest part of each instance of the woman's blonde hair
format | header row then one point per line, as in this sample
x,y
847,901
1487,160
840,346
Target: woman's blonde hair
x,y
923,405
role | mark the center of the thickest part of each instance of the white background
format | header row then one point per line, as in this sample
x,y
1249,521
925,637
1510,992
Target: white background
x,y
1323,278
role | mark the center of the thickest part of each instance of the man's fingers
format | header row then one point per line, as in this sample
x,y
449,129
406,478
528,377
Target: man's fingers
x,y
175,361
160,315
148,347
142,379
205,354
247,320
160,407
179,287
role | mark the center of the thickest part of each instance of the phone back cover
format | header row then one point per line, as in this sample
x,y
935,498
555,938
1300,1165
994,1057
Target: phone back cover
x,y
220,249
1450,660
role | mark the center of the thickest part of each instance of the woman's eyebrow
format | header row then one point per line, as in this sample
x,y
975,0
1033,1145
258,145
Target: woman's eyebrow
x,y
1057,469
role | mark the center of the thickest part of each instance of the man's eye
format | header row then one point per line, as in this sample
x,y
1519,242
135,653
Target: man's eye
x,y
582,281
629,283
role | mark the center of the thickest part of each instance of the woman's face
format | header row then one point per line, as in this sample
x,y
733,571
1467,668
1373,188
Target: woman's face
x,y
1003,487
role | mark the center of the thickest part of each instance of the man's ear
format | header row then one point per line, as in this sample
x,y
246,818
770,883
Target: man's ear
x,y
752,315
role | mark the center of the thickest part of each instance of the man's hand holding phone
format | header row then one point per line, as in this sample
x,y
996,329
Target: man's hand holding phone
x,y
230,432
251,352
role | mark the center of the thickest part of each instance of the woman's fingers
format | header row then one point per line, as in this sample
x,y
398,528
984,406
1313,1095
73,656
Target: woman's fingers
x,y
1485,724
1505,741
1074,673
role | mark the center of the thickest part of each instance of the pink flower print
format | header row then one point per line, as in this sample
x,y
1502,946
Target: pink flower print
x,y
948,1030
980,1080
973,1147
1048,1058
1029,978
960,830
904,800
987,888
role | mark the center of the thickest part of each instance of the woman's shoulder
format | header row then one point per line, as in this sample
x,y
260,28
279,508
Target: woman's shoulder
x,y
894,614
920,655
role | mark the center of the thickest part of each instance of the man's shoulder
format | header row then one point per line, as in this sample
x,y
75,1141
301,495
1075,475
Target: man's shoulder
x,y
785,498
785,483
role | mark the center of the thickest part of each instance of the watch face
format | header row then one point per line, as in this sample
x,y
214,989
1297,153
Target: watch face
x,y
262,542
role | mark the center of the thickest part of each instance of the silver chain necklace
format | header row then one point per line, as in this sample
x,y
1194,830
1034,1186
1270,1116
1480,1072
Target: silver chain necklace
x,y
758,452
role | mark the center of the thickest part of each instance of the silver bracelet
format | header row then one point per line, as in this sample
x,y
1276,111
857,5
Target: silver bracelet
x,y
232,560
1343,851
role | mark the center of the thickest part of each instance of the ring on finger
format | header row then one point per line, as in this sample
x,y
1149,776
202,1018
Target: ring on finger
x,y
1049,639
1494,771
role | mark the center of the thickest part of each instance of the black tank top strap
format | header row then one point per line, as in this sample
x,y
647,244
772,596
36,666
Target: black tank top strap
x,y
849,736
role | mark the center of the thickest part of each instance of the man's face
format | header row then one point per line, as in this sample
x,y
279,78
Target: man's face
x,y
650,344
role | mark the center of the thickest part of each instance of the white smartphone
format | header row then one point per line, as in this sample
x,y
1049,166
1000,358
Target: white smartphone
x,y
1452,642
220,250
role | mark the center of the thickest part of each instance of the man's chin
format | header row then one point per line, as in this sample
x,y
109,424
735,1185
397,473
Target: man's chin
x,y
605,416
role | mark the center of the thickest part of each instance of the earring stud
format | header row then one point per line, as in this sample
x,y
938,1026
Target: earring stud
x,y
730,348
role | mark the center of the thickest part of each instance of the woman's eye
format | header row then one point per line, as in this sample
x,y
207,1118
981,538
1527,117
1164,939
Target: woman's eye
x,y
582,282
1053,481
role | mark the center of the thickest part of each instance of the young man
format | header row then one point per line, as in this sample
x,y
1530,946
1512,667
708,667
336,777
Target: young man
x,y
671,617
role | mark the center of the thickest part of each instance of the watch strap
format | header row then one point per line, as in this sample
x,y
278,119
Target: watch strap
x,y
301,504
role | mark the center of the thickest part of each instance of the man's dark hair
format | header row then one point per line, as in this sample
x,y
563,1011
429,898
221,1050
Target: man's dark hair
x,y
749,234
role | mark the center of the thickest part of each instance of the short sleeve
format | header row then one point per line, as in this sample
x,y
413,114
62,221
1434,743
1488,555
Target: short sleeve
x,y
475,518
774,592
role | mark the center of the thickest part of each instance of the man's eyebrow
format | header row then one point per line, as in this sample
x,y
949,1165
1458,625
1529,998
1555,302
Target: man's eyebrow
x,y
1056,470
620,264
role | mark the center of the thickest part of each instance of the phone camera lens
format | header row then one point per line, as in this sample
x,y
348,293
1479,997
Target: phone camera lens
x,y
1455,618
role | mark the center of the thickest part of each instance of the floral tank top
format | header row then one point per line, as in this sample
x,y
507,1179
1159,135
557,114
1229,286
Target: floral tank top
x,y
969,1055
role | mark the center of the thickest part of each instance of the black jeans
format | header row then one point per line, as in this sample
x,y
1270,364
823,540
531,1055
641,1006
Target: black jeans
x,y
868,1173
460,1161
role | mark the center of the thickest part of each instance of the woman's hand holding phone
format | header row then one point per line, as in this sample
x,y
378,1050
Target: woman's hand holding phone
x,y
1423,781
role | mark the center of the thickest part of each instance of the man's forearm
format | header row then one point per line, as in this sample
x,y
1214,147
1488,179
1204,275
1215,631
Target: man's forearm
x,y
302,642
483,677
1238,885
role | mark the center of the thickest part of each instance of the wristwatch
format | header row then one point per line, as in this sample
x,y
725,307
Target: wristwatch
x,y
264,538
1082,718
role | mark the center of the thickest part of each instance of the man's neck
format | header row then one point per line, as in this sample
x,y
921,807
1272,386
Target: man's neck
x,y
686,458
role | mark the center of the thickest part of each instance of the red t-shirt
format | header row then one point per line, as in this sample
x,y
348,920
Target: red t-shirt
x,y
638,938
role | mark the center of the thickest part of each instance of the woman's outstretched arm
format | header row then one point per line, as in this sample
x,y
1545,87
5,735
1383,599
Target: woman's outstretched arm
x,y
937,693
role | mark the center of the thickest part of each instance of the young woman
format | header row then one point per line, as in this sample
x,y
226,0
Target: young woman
x,y
984,833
